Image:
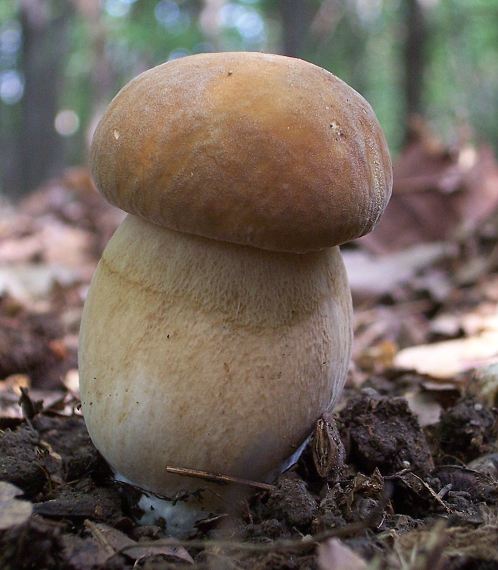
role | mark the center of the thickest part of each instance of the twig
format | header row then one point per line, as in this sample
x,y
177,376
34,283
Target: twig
x,y
218,477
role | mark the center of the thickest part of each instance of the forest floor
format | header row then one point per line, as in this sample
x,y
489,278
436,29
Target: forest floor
x,y
403,475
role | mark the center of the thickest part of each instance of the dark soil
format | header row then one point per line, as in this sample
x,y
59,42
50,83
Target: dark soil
x,y
32,344
396,493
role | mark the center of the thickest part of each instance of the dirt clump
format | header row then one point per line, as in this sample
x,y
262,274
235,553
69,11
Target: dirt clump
x,y
383,433
292,503
468,430
19,461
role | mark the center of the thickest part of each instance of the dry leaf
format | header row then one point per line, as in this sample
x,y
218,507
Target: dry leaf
x,y
449,358
71,382
113,541
377,357
437,192
28,281
377,275
13,511
424,406
335,555
10,392
327,449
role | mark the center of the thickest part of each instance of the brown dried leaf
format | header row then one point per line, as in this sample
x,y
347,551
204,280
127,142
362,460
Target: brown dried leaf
x,y
422,489
437,192
114,541
139,552
13,511
327,448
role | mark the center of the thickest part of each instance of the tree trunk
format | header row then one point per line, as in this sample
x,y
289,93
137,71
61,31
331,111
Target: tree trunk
x,y
296,17
414,54
44,29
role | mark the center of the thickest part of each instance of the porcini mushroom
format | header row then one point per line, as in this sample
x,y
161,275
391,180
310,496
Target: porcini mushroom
x,y
217,328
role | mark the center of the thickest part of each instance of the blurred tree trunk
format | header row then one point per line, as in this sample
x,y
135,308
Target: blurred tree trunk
x,y
296,17
414,55
44,31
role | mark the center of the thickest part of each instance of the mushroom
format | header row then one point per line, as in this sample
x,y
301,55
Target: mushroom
x,y
217,328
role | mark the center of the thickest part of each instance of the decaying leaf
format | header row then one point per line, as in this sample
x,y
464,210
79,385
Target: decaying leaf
x,y
377,275
424,406
422,489
335,555
327,448
449,358
29,281
13,511
114,541
438,191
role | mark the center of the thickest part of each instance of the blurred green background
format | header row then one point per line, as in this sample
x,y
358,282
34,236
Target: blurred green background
x,y
61,61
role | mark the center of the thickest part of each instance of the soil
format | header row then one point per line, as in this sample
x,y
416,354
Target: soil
x,y
396,495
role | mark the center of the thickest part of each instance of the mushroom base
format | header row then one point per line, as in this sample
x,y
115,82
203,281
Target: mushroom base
x,y
211,356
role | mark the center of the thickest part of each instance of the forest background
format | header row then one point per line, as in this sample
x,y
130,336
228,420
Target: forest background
x,y
61,61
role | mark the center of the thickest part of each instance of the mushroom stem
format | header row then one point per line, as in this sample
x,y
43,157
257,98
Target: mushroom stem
x,y
209,355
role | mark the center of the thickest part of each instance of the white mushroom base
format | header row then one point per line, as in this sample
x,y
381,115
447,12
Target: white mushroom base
x,y
206,355
182,514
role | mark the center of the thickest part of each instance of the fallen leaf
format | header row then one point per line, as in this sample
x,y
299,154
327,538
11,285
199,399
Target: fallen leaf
x,y
335,555
424,406
450,358
377,357
13,511
377,275
28,281
71,382
421,489
438,192
10,391
114,541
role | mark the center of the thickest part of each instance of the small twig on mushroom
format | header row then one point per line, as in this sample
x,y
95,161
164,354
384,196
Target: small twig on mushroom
x,y
218,477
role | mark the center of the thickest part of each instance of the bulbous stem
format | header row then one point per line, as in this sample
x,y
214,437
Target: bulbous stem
x,y
207,355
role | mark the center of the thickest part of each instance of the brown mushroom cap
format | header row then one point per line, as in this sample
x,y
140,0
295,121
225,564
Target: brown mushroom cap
x,y
249,148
